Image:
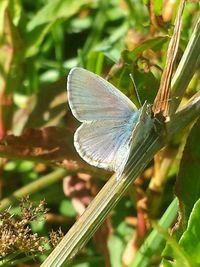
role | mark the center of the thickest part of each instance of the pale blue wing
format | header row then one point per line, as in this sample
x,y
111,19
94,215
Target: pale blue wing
x,y
106,144
92,98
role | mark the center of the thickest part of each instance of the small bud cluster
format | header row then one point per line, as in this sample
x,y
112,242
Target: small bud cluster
x,y
56,237
15,232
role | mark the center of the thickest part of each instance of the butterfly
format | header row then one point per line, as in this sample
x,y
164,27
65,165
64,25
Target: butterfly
x,y
111,124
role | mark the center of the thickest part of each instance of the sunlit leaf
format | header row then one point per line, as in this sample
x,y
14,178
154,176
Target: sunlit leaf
x,y
155,44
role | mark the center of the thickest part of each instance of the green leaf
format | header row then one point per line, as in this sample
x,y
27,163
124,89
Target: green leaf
x,y
116,247
66,208
188,181
189,244
55,10
154,43
95,62
41,24
190,239
15,8
166,263
188,192
3,5
158,6
154,242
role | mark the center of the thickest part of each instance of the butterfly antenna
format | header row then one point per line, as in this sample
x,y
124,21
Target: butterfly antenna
x,y
136,91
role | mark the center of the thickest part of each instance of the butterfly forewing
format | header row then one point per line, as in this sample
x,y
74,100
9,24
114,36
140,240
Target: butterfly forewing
x,y
92,98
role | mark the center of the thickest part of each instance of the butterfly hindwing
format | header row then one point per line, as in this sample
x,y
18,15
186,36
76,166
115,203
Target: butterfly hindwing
x,y
105,144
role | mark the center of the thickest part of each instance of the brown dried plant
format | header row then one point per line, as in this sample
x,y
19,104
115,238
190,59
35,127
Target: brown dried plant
x,y
16,235
56,236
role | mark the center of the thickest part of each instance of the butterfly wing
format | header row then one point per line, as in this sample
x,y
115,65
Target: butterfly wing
x,y
106,144
91,98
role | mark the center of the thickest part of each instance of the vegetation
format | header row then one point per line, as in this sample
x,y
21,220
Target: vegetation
x,y
44,185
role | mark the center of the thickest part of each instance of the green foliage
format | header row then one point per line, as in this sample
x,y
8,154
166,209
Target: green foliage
x,y
188,192
192,236
40,41
188,179
186,252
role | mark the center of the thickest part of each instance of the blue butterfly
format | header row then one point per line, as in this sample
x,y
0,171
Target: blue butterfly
x,y
111,123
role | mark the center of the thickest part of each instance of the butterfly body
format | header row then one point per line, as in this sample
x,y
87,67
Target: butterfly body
x,y
111,124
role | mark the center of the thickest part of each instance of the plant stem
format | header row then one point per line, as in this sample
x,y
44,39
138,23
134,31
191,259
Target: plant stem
x,y
153,241
186,68
33,187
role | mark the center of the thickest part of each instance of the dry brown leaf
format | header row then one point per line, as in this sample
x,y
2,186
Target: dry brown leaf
x,y
52,145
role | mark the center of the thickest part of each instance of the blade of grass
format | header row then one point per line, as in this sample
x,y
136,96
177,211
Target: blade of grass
x,y
186,68
97,29
153,241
